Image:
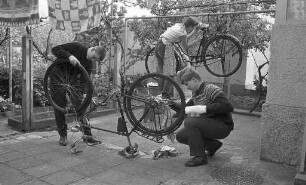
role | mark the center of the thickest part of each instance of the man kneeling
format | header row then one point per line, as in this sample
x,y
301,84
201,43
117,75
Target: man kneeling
x,y
211,118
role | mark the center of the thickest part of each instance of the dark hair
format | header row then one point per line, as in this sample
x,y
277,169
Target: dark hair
x,y
101,52
191,21
186,74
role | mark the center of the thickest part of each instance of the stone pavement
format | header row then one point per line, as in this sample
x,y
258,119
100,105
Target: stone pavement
x,y
36,158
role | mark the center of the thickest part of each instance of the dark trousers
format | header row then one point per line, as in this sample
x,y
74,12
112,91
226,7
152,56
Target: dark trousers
x,y
163,85
59,96
200,133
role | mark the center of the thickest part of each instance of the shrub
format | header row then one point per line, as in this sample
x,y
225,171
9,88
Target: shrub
x,y
7,105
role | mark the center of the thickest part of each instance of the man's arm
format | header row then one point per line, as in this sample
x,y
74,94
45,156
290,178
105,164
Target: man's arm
x,y
194,41
62,51
184,42
195,30
221,105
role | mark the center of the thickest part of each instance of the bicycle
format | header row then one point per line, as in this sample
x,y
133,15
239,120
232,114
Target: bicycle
x,y
217,53
150,115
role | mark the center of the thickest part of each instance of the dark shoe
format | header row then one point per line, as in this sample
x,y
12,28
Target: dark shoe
x,y
63,140
196,161
214,148
91,140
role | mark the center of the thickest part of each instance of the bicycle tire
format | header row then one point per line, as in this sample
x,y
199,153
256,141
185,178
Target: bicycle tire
x,y
61,82
151,61
139,106
212,46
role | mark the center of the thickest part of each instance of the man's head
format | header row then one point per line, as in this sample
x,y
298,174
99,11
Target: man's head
x,y
190,24
96,53
190,77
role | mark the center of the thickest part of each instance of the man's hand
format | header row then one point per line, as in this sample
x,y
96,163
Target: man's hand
x,y
74,61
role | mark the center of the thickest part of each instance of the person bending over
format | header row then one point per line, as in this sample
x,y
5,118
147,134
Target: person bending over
x,y
164,50
77,54
210,118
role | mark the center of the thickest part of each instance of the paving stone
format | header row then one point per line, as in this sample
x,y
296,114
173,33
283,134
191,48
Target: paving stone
x,y
103,165
68,162
11,156
20,146
25,162
36,150
132,167
51,156
111,176
8,141
4,150
89,169
35,182
15,177
111,160
134,179
89,181
170,165
62,177
201,173
41,141
6,169
157,174
42,170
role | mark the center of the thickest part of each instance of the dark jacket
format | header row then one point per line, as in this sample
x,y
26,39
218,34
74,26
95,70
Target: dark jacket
x,y
76,49
218,106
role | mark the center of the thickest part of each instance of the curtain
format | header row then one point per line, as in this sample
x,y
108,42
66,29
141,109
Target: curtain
x,y
74,15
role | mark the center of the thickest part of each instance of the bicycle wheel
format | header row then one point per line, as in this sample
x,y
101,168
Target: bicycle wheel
x,y
67,88
150,113
222,55
151,62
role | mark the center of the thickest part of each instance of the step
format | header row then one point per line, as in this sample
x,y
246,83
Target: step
x,y
300,179
46,119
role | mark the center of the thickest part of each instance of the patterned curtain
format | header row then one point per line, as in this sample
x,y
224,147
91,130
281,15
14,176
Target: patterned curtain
x,y
14,13
74,15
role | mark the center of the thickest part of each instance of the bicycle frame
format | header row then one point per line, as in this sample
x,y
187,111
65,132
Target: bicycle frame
x,y
121,128
187,58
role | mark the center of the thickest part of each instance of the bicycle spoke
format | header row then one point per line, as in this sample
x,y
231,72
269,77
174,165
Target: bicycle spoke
x,y
62,83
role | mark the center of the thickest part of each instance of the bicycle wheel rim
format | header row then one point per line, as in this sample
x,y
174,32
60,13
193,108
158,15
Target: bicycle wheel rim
x,y
139,111
222,55
63,83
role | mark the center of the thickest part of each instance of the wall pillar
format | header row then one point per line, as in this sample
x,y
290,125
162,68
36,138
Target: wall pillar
x,y
283,114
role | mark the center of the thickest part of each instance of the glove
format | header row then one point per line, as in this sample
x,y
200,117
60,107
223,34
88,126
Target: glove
x,y
197,109
74,61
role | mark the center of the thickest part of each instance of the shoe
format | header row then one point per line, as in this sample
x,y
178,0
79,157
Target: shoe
x,y
196,161
217,144
91,140
63,140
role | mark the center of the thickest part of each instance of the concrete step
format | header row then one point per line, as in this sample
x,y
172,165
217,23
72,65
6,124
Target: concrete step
x,y
46,119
